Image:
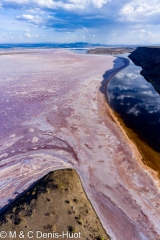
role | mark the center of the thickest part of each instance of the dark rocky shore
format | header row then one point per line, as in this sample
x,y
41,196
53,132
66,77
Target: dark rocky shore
x,y
149,59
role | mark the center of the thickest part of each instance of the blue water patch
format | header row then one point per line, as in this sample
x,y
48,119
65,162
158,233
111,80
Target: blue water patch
x,y
138,104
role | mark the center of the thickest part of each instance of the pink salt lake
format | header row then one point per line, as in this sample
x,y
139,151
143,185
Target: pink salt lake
x,y
53,116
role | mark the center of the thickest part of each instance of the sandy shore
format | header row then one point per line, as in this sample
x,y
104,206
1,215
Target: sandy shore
x,y
54,115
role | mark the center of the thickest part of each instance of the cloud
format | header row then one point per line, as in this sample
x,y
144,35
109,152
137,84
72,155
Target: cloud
x,y
141,11
68,4
84,3
30,18
25,17
107,20
134,111
27,35
63,21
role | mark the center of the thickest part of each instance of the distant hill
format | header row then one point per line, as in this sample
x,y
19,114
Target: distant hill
x,y
50,45
149,59
61,45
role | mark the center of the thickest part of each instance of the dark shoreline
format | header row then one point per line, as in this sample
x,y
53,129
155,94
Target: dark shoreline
x,y
149,59
108,76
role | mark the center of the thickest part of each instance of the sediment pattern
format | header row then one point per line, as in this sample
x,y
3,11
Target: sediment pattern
x,y
54,116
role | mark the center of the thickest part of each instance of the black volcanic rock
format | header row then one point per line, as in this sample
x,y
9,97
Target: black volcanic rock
x,y
149,59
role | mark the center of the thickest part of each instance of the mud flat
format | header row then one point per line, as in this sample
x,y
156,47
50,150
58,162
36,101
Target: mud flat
x,y
111,51
54,115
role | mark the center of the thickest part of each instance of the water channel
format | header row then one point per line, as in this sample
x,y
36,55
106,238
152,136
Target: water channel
x,y
137,106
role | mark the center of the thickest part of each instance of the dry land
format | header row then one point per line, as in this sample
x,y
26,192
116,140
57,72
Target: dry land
x,y
112,51
56,204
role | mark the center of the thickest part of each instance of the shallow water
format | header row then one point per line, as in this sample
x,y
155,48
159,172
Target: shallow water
x,y
137,106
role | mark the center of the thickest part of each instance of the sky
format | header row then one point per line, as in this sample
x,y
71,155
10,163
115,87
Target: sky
x,y
94,21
